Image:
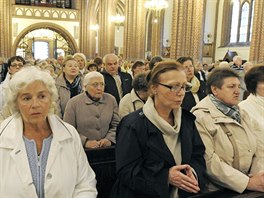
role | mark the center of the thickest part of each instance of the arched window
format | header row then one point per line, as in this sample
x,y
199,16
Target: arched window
x,y
237,22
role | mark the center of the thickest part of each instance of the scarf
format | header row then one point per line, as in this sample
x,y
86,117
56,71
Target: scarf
x,y
232,112
195,84
75,87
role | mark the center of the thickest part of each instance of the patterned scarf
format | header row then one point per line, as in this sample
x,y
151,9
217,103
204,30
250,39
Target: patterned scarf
x,y
232,112
75,87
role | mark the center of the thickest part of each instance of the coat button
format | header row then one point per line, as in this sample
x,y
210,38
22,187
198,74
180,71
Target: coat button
x,y
49,176
249,150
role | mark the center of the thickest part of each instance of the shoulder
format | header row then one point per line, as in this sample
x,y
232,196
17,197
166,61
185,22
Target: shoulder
x,y
188,115
135,118
109,97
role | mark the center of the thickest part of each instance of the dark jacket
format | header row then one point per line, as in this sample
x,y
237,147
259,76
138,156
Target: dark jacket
x,y
143,158
189,102
110,85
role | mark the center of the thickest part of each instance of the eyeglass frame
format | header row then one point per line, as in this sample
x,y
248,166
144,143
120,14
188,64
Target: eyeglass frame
x,y
177,90
17,65
96,84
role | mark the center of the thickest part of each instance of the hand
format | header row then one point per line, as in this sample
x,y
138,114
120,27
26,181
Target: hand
x,y
256,182
104,143
92,144
186,182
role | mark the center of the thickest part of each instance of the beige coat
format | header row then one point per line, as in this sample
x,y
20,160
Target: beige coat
x,y
219,152
129,103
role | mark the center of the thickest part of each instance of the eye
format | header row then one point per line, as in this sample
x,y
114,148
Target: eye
x,y
26,98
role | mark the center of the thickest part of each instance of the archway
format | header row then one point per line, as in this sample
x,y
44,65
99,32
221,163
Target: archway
x,y
61,33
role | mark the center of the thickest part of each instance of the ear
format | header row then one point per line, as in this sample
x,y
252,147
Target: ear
x,y
214,90
153,89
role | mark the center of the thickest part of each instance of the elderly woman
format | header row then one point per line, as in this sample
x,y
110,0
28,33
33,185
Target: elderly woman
x,y
69,83
40,155
254,104
136,98
81,59
94,113
197,92
231,147
159,152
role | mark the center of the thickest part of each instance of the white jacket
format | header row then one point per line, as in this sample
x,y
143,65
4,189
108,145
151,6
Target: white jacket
x,y
68,173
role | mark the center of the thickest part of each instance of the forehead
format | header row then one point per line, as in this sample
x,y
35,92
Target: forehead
x,y
173,76
111,59
71,62
231,80
188,62
36,86
78,57
96,79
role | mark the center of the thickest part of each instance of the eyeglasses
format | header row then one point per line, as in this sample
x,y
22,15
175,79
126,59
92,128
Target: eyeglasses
x,y
176,88
96,85
17,65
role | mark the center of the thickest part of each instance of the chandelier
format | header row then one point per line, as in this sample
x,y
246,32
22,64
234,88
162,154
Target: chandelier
x,y
156,4
118,19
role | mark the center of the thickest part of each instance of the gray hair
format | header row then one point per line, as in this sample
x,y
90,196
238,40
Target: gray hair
x,y
23,78
91,75
107,56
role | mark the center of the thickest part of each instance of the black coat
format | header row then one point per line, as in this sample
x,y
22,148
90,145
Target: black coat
x,y
189,102
143,158
110,84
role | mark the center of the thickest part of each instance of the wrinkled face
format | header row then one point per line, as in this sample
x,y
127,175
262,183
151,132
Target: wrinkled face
x,y
71,68
229,92
80,61
15,67
139,69
96,87
111,65
163,96
260,89
34,102
189,69
60,60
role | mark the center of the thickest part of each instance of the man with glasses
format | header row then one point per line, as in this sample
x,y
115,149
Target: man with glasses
x,y
14,64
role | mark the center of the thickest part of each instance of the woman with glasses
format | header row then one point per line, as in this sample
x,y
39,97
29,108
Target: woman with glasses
x,y
14,64
232,154
69,83
93,113
159,152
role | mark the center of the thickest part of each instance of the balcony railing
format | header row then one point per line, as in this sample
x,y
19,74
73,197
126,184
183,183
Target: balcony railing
x,y
46,3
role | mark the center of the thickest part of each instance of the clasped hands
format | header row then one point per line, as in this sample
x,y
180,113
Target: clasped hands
x,y
187,181
97,143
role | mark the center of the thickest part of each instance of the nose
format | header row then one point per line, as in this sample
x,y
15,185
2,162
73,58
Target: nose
x,y
35,102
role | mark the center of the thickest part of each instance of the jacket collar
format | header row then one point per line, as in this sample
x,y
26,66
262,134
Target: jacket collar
x,y
11,130
89,101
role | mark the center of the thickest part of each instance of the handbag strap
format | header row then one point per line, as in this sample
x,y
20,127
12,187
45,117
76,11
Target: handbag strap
x,y
233,142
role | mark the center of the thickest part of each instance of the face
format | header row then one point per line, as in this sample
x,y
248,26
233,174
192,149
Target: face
x,y
60,60
111,65
95,87
80,61
71,68
163,96
229,92
189,69
15,67
143,94
93,68
139,69
34,102
260,89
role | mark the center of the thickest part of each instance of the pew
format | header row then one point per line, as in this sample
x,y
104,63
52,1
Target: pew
x,y
102,161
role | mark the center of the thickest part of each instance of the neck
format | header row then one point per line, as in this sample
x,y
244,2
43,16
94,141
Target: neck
x,y
70,78
165,113
37,130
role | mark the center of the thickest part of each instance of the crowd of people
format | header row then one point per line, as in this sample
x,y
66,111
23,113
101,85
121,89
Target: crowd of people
x,y
179,127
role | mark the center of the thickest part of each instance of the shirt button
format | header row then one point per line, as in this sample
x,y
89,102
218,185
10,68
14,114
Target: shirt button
x,y
49,176
249,150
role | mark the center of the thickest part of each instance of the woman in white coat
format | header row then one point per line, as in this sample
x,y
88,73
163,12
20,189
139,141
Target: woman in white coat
x,y
254,104
40,155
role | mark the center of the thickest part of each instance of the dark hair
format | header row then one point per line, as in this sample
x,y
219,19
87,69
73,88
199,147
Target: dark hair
x,y
160,68
137,64
15,58
184,59
217,76
253,77
140,82
92,65
154,60
98,61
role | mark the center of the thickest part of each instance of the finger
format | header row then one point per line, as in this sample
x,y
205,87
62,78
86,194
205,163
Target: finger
x,y
181,167
188,188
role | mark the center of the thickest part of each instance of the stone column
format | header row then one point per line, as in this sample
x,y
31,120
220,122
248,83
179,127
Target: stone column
x,y
256,54
187,28
134,29
106,28
5,28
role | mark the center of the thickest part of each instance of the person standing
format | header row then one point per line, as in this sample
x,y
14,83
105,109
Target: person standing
x,y
117,83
